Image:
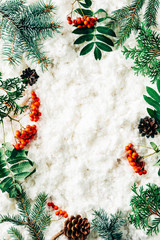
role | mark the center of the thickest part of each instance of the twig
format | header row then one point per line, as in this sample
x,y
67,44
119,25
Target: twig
x,y
57,235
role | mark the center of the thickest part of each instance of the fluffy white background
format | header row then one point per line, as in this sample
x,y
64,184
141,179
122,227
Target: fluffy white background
x,y
90,111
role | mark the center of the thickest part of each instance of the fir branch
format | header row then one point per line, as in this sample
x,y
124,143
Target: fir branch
x,y
23,27
127,19
37,227
108,227
144,204
146,54
15,234
151,13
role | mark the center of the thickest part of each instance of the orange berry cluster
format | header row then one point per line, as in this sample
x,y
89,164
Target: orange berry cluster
x,y
34,114
58,212
85,22
25,136
135,160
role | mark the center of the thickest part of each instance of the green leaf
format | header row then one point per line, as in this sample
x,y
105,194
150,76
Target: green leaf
x,y
83,30
152,102
6,183
154,146
106,31
158,85
151,113
153,94
103,18
159,172
2,114
104,39
84,38
101,11
83,12
14,166
103,47
87,3
97,54
87,49
8,146
157,163
21,176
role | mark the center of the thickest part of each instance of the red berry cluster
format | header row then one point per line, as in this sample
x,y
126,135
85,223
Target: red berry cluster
x,y
135,160
25,136
58,212
34,114
85,22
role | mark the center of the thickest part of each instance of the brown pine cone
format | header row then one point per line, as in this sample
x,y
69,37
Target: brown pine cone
x,y
148,127
76,228
30,76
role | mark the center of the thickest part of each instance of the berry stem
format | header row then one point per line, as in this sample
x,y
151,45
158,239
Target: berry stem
x,y
3,131
12,128
16,120
57,235
149,155
143,146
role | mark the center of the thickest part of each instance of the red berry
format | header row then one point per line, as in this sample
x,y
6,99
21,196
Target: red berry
x,y
65,215
49,204
144,171
56,207
57,213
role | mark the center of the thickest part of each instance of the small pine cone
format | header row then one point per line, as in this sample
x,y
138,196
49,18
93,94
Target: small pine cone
x,y
148,127
30,76
76,228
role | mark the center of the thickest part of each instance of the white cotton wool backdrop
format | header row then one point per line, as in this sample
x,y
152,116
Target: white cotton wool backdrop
x,y
90,111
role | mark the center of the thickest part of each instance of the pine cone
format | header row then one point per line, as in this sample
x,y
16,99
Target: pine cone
x,y
148,127
30,75
76,228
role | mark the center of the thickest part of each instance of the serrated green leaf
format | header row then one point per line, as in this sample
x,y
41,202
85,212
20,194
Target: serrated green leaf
x,y
87,49
21,176
20,167
154,146
153,94
103,47
97,54
104,39
84,38
151,113
152,102
14,166
6,183
83,31
83,12
106,30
